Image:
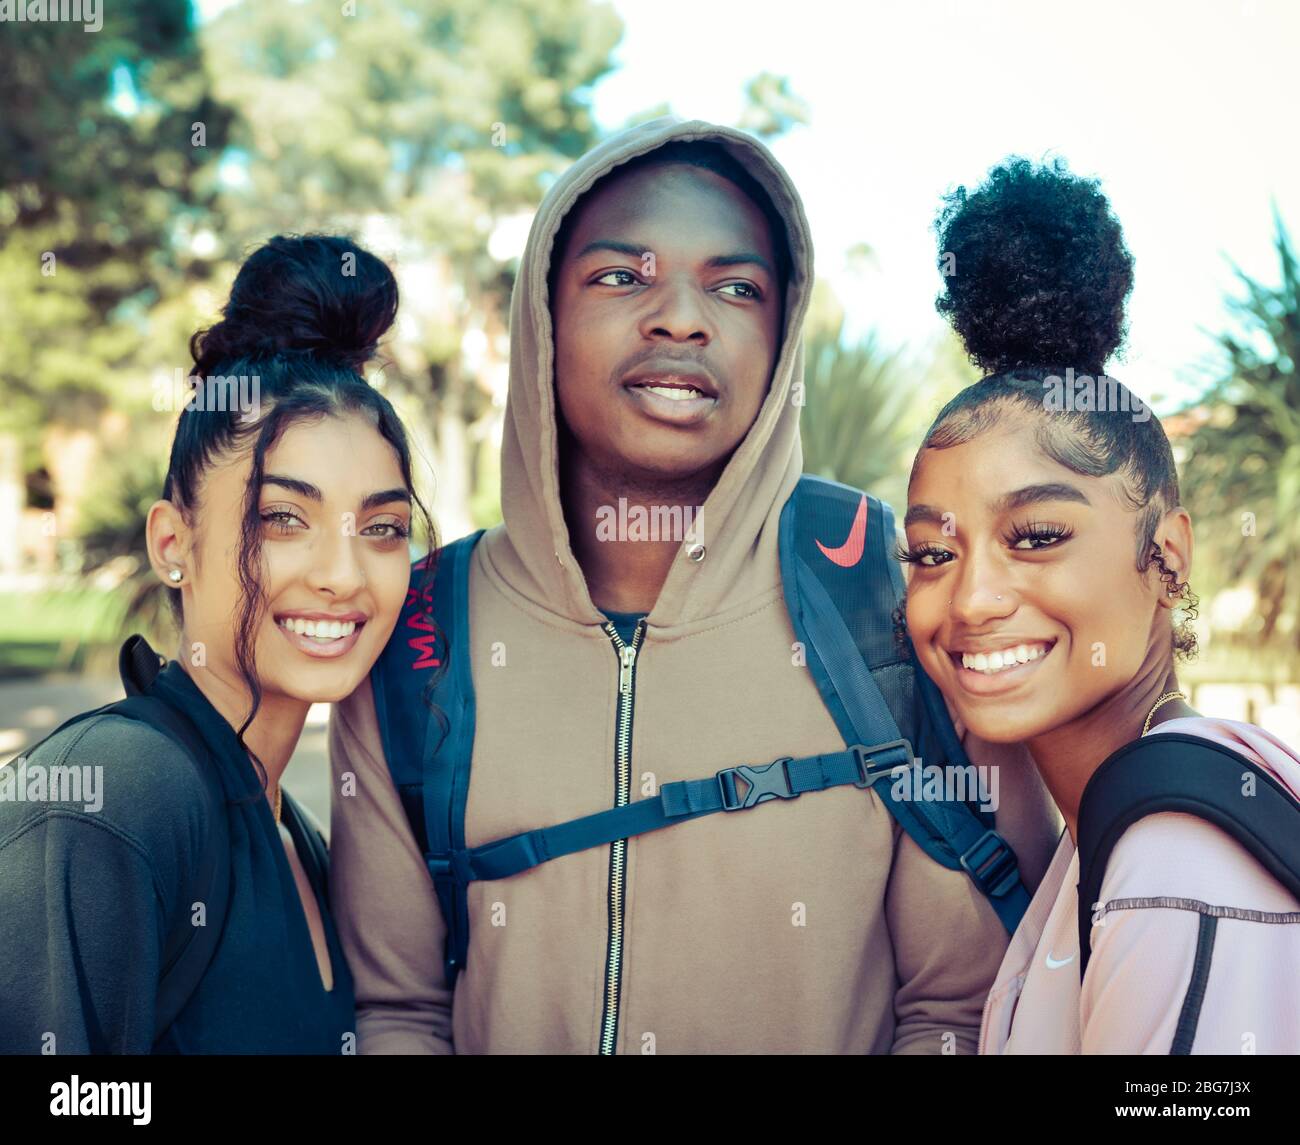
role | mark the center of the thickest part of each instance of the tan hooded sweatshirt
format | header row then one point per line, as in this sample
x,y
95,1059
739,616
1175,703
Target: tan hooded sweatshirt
x,y
811,925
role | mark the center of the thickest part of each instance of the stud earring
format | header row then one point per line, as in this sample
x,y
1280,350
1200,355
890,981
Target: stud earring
x,y
175,575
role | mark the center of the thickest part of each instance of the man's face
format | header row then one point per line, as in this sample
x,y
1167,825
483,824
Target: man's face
x,y
667,322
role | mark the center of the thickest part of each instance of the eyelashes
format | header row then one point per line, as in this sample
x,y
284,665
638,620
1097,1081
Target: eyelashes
x,y
752,292
1048,532
917,554
1039,534
279,521
399,533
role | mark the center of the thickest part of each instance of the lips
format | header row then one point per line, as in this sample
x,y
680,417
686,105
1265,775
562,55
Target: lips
x,y
671,396
667,375
998,669
320,634
318,629
1007,657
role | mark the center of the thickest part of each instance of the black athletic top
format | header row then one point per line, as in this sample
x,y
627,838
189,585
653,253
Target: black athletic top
x,y
88,895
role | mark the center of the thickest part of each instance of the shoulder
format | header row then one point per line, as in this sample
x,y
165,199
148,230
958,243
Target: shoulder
x,y
1193,943
1184,862
108,771
1175,855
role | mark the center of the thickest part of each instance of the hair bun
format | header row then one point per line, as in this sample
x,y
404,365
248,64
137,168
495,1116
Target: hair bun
x,y
1036,270
318,295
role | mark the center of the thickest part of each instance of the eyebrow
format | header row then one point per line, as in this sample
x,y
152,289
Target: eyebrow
x,y
1016,499
638,250
1032,494
922,514
308,490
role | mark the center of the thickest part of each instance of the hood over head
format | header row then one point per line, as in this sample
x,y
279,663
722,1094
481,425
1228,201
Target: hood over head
x,y
739,517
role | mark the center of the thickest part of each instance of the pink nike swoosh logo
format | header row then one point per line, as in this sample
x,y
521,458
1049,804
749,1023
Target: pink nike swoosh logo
x,y
849,553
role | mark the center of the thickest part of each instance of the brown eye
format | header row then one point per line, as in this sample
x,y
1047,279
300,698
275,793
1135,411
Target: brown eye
x,y
1036,536
281,520
396,530
753,290
927,556
611,273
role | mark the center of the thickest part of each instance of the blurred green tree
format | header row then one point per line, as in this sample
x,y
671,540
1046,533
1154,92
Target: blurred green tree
x,y
100,187
865,408
428,129
1241,465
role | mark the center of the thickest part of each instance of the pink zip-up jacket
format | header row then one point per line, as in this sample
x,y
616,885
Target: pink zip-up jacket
x,y
1198,941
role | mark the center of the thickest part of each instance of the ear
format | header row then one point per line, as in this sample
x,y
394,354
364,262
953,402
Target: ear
x,y
168,538
1174,536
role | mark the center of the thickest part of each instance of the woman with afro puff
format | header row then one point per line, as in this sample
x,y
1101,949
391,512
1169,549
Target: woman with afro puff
x,y
1048,554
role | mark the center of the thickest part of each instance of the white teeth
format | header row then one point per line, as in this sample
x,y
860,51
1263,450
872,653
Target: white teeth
x,y
322,630
674,393
1003,659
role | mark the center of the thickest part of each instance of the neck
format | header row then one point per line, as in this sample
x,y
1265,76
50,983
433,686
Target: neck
x,y
615,544
1067,756
273,734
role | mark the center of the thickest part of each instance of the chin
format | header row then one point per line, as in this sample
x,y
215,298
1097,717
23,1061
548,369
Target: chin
x,y
317,682
994,725
675,465
331,688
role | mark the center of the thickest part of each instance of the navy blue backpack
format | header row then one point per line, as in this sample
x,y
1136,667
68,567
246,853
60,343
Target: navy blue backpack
x,y
841,603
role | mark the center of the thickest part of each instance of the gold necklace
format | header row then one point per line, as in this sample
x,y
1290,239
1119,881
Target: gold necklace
x,y
1146,727
278,796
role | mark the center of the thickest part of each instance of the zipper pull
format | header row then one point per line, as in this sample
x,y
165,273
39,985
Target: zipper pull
x,y
627,658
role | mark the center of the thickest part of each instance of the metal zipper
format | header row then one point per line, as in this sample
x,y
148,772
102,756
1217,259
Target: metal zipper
x,y
618,849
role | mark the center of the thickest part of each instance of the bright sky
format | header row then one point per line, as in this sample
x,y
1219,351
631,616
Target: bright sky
x,y
1184,110
1181,108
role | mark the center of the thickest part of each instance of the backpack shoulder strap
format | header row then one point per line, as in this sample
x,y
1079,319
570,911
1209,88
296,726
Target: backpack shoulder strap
x,y
1173,771
842,586
424,703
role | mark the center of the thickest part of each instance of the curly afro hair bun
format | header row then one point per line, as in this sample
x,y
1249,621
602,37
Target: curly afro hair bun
x,y
1035,268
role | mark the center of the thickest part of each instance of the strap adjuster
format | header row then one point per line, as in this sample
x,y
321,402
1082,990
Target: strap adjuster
x,y
449,867
771,781
871,769
991,863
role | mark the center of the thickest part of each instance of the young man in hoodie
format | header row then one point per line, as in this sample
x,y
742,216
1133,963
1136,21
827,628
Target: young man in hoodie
x,y
654,353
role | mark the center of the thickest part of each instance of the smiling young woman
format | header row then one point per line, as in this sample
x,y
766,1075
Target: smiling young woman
x,y
282,535
1047,550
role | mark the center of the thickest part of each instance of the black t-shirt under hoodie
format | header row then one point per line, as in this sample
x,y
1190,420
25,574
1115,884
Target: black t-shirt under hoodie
x,y
88,896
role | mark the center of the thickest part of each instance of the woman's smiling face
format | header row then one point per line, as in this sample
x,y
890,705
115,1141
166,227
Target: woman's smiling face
x,y
335,515
1025,604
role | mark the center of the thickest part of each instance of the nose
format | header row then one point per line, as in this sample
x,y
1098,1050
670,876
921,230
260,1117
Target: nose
x,y
982,592
678,313
336,568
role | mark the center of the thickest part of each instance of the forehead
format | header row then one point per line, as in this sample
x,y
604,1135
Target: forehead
x,y
1005,457
331,451
673,203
